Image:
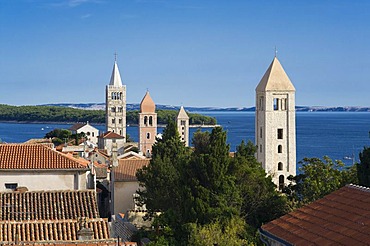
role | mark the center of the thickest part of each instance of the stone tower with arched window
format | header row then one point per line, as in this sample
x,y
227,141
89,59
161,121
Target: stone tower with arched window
x,y
183,126
115,101
147,125
275,124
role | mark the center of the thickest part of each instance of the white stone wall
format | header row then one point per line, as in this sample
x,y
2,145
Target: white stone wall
x,y
183,130
47,180
268,121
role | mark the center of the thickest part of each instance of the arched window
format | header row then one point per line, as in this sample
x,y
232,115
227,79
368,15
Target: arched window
x,y
281,182
112,95
280,166
145,120
280,148
150,120
120,96
148,135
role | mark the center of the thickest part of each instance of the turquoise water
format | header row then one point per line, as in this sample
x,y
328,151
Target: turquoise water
x,y
336,134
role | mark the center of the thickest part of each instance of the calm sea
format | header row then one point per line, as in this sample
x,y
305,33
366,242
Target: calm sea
x,y
335,134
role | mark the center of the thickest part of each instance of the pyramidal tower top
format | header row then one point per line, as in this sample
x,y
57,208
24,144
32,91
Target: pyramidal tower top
x,y
115,79
275,79
147,105
182,113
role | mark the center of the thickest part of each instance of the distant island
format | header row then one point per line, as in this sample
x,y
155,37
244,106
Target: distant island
x,y
136,106
71,114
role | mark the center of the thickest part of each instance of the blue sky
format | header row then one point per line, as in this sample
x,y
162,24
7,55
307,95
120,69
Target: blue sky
x,y
186,52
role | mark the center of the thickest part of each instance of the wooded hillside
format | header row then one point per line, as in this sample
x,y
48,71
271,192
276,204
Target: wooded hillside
x,y
65,114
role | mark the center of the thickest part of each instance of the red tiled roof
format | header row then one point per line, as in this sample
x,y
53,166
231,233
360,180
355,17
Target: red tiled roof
x,y
48,205
126,170
110,135
50,230
36,156
342,217
76,126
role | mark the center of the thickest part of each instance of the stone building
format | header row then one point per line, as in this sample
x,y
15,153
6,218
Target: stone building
x,y
275,124
147,125
115,100
38,167
183,126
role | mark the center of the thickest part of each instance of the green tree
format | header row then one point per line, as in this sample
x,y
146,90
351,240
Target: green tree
x,y
212,193
317,179
363,169
163,180
261,202
59,136
230,232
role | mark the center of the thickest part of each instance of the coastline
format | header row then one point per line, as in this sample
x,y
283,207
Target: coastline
x,y
93,123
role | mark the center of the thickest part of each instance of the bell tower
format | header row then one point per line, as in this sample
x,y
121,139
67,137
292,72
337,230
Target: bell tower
x,y
147,125
115,101
183,126
275,124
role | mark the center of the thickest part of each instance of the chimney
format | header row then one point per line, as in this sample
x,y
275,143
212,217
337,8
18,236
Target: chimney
x,y
84,233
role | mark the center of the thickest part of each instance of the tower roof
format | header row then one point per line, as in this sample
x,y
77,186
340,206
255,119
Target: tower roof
x,y
275,79
182,114
147,105
115,79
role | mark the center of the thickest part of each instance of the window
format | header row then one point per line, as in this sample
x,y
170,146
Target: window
x,y
88,133
283,104
150,120
260,148
120,121
148,135
183,122
261,103
92,134
276,103
280,133
113,109
113,121
280,149
120,109
281,182
260,132
182,128
280,166
145,120
11,186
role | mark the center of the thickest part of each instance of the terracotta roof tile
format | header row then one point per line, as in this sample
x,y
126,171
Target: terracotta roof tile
x,y
342,217
48,205
50,230
111,135
76,126
36,156
126,170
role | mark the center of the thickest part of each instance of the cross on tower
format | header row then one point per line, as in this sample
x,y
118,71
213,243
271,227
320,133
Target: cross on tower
x,y
115,56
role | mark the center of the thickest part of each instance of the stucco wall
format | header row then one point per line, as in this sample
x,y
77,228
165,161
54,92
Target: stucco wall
x,y
50,180
123,196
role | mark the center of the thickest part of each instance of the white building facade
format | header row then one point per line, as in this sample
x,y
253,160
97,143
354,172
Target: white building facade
x,y
275,125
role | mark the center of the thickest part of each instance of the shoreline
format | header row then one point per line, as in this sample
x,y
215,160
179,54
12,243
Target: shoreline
x,y
93,123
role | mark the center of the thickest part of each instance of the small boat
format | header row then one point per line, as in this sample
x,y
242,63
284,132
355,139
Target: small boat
x,y
347,158
42,129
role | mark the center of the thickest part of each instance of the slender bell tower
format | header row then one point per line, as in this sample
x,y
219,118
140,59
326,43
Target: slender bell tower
x,y
147,125
275,124
115,101
183,126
